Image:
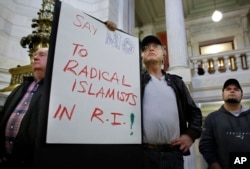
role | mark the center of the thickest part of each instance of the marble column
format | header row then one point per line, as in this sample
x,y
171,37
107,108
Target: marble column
x,y
176,35
244,22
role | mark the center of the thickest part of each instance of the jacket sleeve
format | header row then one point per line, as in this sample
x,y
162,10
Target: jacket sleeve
x,y
189,112
207,146
193,116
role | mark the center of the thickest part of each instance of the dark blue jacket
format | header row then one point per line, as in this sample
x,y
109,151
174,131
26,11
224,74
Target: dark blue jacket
x,y
223,134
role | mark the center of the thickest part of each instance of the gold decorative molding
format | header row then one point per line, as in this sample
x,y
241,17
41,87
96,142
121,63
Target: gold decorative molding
x,y
17,76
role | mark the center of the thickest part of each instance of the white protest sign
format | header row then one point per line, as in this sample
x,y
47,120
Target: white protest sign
x,y
95,84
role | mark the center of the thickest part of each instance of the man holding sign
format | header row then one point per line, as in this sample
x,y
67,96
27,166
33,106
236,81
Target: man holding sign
x,y
20,116
171,119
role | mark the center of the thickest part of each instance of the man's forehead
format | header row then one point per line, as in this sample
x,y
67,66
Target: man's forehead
x,y
232,86
42,50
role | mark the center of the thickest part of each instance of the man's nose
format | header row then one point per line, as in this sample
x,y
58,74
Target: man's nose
x,y
232,90
35,58
151,47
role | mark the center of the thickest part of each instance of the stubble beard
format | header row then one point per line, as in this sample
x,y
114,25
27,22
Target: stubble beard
x,y
232,100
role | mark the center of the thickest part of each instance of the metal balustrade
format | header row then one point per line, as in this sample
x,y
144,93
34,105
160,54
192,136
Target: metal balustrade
x,y
225,62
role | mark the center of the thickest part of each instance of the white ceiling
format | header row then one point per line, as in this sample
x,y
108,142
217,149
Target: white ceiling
x,y
153,11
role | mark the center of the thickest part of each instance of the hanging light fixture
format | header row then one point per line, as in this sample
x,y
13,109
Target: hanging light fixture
x,y
217,15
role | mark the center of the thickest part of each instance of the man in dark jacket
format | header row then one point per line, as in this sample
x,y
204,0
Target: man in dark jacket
x,y
19,117
226,130
171,119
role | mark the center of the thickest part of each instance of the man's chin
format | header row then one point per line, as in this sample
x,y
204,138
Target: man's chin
x,y
232,100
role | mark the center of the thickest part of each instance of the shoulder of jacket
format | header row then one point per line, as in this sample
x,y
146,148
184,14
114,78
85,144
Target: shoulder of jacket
x,y
215,114
174,76
145,75
28,78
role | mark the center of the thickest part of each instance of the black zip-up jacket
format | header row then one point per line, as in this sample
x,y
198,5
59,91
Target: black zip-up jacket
x,y
24,143
190,116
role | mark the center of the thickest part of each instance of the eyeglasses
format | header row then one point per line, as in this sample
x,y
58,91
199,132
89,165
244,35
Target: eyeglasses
x,y
151,45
